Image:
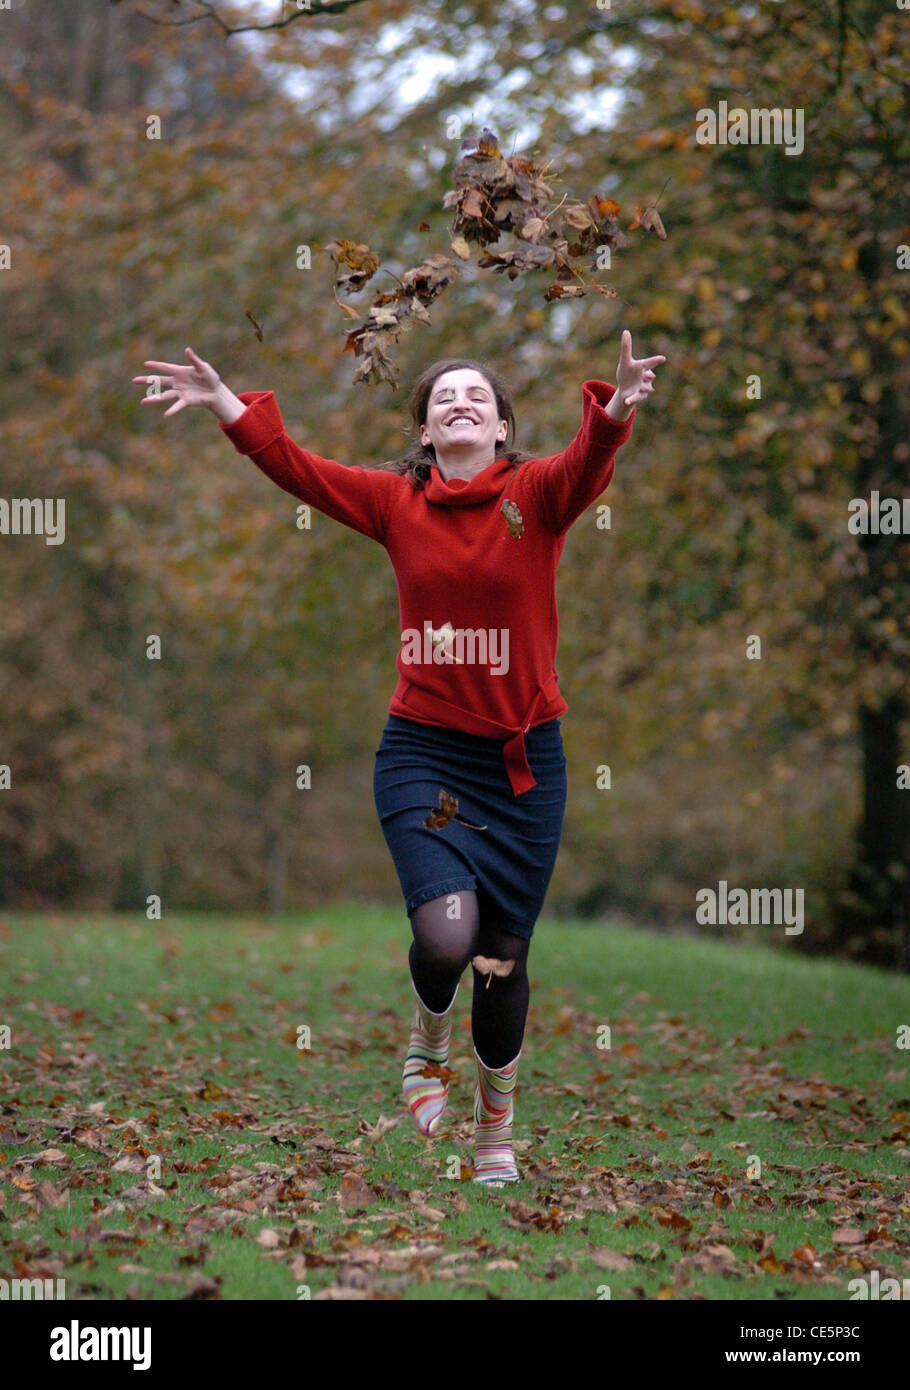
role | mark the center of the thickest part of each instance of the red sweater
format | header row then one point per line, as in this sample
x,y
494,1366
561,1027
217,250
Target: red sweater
x,y
457,563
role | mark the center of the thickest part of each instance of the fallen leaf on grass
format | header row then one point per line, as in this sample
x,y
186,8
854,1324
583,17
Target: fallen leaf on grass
x,y
429,1213
48,1195
611,1259
355,1194
374,1132
674,1219
129,1163
847,1235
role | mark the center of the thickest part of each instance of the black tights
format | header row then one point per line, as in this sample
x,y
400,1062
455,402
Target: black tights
x,y
447,934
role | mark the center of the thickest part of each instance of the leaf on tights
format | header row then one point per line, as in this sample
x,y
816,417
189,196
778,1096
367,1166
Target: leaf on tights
x,y
486,965
513,518
446,810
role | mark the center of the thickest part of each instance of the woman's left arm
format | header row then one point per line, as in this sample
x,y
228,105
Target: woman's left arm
x,y
568,483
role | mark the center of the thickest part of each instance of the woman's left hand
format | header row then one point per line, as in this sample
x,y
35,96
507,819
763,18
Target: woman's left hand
x,y
634,375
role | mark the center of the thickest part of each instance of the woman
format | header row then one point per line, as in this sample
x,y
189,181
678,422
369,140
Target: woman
x,y
470,774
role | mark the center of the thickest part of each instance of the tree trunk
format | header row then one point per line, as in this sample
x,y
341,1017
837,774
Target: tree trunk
x,y
878,906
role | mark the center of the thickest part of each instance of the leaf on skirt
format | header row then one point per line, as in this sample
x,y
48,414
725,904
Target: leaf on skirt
x,y
513,518
447,809
489,967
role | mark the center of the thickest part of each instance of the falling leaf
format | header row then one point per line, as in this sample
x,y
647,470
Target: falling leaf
x,y
564,292
355,264
513,517
347,309
650,220
257,328
461,248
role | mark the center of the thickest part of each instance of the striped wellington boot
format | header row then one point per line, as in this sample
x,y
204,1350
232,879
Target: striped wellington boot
x,y
494,1162
426,1096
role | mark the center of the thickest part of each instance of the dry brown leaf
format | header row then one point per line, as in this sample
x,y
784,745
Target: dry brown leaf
x,y
355,1194
48,1195
375,1132
611,1259
486,965
514,520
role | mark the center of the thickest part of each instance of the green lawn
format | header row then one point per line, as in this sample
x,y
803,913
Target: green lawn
x,y
287,1173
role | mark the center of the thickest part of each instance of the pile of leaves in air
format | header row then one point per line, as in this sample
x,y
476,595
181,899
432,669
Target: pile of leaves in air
x,y
494,195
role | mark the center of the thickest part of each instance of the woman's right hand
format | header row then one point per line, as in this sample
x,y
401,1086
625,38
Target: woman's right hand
x,y
194,384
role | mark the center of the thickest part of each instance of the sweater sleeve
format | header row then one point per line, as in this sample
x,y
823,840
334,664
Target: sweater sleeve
x,y
357,497
566,484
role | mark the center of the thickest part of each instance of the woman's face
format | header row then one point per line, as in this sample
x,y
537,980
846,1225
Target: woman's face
x,y
462,414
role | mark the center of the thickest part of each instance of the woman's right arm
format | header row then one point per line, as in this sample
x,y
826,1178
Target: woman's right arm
x,y
357,497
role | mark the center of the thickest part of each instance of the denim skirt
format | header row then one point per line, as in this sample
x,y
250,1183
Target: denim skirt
x,y
510,861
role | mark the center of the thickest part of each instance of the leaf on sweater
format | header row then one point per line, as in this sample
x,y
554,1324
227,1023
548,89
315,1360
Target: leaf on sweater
x,y
443,637
513,518
446,810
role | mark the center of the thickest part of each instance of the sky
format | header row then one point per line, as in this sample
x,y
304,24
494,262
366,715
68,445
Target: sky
x,y
408,79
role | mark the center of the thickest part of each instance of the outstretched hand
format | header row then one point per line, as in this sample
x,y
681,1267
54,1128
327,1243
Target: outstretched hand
x,y
193,384
634,375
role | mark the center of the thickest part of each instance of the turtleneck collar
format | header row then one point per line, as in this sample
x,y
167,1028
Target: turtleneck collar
x,y
488,483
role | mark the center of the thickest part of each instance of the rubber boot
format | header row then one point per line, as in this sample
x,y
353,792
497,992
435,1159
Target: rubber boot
x,y
426,1096
494,1161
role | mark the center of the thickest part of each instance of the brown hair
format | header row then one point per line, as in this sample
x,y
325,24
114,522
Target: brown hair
x,y
419,458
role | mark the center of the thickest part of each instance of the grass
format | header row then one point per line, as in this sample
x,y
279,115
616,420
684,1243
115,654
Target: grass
x,y
288,1173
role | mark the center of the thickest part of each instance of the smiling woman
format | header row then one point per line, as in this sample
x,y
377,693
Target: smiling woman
x,y
470,774
480,395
